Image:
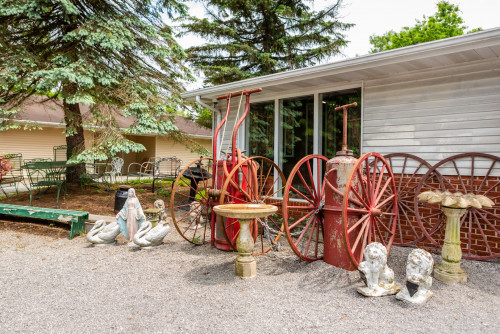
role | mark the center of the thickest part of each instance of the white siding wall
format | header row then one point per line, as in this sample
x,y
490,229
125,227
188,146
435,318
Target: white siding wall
x,y
228,132
434,114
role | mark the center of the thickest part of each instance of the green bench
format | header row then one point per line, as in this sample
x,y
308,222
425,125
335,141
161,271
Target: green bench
x,y
76,218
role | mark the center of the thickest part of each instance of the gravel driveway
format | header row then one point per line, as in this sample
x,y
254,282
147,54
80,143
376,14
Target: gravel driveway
x,y
66,286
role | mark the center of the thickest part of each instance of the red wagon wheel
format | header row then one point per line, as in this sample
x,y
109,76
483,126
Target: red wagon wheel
x,y
255,180
303,203
190,203
408,170
365,216
476,173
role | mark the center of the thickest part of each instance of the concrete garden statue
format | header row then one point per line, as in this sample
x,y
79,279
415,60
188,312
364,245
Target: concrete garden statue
x,y
418,277
130,216
196,215
148,237
102,234
162,215
454,206
378,277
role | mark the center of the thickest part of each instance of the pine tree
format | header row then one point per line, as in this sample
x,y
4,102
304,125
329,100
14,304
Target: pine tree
x,y
113,55
252,38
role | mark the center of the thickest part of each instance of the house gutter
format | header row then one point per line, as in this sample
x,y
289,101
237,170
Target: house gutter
x,y
203,104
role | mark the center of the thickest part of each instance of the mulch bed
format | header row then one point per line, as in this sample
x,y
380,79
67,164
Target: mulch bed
x,y
95,199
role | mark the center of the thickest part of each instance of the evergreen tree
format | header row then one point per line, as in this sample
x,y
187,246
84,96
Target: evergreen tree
x,y
252,38
113,55
446,22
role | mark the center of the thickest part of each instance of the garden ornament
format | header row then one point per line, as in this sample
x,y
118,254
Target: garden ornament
x,y
418,277
148,237
102,234
196,215
454,206
378,277
162,215
130,216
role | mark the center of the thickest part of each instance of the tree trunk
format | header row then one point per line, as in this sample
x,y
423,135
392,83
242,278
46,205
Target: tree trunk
x,y
76,141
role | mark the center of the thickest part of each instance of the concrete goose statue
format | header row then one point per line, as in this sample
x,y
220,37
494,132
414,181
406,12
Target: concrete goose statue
x,y
148,237
102,234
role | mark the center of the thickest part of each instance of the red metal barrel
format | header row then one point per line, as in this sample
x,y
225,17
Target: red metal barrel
x,y
335,252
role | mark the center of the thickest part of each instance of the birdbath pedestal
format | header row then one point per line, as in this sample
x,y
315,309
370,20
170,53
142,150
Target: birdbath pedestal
x,y
454,206
245,266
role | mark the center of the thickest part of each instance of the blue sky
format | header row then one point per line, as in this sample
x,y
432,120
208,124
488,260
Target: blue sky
x,y
379,16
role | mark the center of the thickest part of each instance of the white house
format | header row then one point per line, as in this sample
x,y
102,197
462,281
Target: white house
x,y
433,100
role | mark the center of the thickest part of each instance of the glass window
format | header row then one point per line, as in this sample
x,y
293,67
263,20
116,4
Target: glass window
x,y
261,130
297,131
331,133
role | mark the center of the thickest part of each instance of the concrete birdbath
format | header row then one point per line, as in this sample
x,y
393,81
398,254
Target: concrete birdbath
x,y
454,206
245,266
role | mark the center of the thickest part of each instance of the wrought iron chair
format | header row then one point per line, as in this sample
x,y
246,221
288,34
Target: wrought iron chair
x,y
166,168
142,170
60,153
94,173
41,177
116,169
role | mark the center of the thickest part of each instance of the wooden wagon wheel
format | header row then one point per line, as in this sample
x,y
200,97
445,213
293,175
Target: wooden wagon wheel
x,y
365,216
408,170
476,173
254,180
303,203
191,204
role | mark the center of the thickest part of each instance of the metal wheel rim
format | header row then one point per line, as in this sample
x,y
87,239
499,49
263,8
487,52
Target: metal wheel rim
x,y
177,222
371,225
404,193
315,214
472,216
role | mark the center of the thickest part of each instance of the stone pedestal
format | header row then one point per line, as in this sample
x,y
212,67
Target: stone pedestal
x,y
152,215
245,266
450,270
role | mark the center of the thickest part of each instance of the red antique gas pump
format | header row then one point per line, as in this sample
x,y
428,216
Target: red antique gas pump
x,y
337,173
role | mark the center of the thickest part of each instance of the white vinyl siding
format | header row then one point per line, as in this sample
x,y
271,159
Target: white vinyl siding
x,y
434,114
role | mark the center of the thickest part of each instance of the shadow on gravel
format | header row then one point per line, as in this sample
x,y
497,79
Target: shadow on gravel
x,y
322,278
214,274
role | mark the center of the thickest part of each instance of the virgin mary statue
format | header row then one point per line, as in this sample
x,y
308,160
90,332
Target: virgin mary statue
x,y
130,216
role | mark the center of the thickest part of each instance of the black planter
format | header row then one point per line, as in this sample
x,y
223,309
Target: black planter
x,y
121,196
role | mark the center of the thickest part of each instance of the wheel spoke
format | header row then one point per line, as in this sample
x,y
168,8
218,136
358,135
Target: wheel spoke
x,y
486,176
379,196
365,217
305,185
386,200
364,227
482,232
379,182
304,231
295,190
311,178
302,219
